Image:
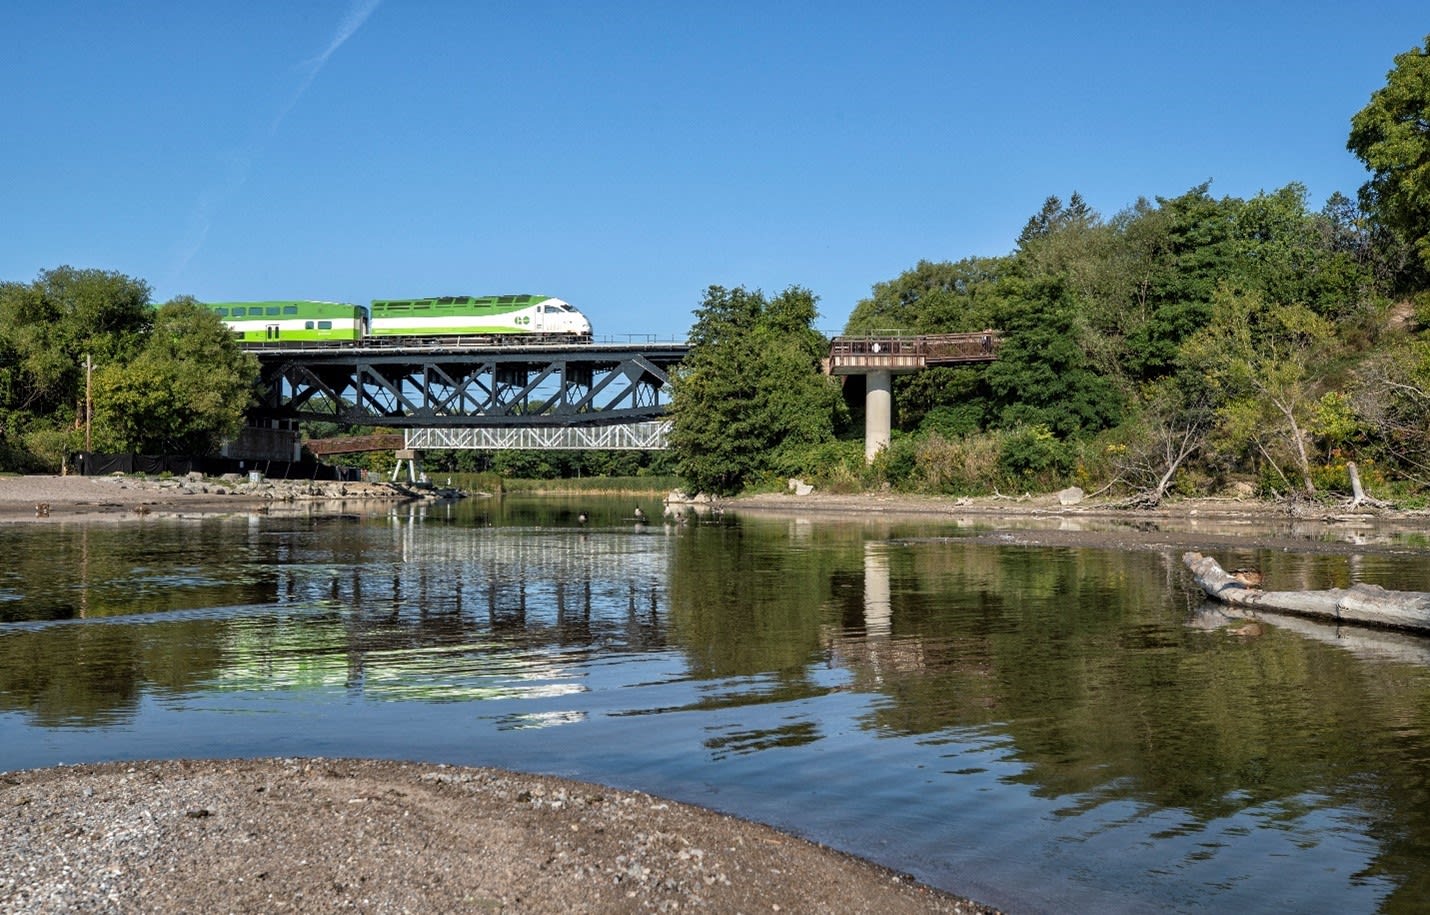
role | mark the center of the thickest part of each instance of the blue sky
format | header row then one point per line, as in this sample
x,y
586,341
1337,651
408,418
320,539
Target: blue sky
x,y
624,156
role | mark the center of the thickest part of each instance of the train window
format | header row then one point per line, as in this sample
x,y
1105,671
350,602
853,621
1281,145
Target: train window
x,y
238,312
507,299
552,310
222,312
325,325
307,325
290,309
273,310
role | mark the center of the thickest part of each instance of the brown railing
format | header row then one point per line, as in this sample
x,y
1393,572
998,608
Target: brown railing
x,y
932,349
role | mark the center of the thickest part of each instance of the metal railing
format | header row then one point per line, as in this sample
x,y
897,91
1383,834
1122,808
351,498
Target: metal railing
x,y
933,349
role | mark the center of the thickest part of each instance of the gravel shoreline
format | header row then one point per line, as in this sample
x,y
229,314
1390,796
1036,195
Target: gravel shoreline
x,y
56,498
321,835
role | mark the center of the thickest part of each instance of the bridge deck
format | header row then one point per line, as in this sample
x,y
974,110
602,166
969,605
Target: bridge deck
x,y
909,352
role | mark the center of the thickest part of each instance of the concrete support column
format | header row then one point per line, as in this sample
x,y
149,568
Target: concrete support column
x,y
878,412
413,459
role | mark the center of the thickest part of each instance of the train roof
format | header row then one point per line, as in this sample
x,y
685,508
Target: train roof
x,y
443,302
308,307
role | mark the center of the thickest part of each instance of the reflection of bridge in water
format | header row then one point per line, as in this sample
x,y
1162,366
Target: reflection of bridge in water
x,y
465,613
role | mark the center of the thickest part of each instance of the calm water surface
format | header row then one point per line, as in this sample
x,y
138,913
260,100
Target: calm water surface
x,y
1042,729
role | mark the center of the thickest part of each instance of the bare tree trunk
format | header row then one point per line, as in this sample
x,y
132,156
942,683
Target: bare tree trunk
x,y
1358,496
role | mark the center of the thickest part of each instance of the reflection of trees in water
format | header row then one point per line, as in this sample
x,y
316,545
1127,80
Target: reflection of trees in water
x,y
740,741
58,572
1083,661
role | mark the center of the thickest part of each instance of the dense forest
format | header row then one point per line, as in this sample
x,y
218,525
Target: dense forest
x,y
1187,344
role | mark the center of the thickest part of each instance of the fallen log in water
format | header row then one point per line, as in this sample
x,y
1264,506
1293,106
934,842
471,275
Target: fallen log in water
x,y
1368,642
1366,605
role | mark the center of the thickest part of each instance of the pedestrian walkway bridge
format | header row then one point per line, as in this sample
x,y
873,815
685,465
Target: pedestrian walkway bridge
x,y
879,356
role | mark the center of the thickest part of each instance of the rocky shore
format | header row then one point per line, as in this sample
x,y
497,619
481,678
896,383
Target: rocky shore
x,y
319,835
76,497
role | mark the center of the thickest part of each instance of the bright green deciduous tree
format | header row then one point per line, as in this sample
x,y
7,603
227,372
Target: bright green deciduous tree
x,y
184,392
750,396
932,298
1260,359
1391,135
47,327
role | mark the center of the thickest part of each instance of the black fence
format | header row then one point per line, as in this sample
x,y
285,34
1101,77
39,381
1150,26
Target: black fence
x,y
94,464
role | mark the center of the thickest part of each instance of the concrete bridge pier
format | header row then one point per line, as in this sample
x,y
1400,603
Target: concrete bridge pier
x,y
878,412
411,460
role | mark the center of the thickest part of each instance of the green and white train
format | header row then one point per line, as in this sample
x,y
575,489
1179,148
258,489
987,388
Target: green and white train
x,y
476,319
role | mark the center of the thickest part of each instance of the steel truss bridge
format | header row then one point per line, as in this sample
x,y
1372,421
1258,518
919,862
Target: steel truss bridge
x,y
600,396
564,396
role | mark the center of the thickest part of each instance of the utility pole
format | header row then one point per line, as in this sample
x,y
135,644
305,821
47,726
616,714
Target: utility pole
x,y
88,397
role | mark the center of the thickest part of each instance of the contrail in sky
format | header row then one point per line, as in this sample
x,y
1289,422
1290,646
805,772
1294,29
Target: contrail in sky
x,y
242,162
357,14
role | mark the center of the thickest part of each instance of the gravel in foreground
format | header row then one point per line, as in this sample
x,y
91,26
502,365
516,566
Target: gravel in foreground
x,y
318,835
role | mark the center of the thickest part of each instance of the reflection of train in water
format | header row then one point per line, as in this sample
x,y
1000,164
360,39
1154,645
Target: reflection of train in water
x,y
468,319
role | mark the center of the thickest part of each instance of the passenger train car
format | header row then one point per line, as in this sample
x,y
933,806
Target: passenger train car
x,y
268,322
537,318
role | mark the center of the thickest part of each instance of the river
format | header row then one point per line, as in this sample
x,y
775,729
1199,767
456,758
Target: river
x,y
1043,729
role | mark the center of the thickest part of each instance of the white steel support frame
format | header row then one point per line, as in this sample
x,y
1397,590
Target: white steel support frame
x,y
643,436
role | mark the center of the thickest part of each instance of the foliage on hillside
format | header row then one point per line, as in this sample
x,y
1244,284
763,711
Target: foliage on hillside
x,y
1183,344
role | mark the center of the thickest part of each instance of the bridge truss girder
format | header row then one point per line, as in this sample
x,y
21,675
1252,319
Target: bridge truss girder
x,y
641,436
526,387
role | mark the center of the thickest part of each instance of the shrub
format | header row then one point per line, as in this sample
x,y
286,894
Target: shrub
x,y
1031,456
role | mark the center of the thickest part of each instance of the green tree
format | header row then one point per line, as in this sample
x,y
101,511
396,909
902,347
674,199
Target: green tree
x,y
184,392
1391,135
932,298
1259,358
1181,249
47,329
750,398
1042,376
50,325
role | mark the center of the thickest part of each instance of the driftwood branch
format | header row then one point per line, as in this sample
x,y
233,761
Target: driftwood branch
x,y
1366,605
